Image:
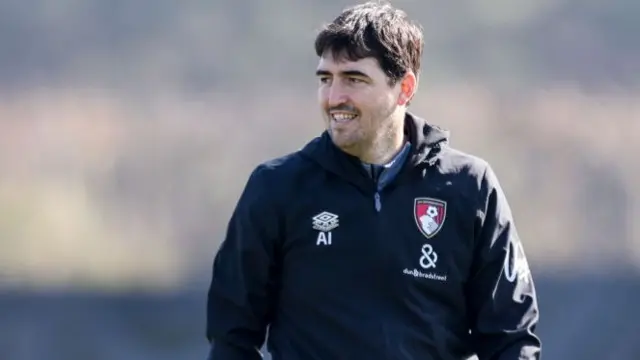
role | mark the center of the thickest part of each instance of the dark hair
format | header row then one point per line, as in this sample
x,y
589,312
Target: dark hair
x,y
374,29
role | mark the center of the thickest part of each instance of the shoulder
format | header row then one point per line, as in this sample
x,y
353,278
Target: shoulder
x,y
463,164
281,169
275,177
474,173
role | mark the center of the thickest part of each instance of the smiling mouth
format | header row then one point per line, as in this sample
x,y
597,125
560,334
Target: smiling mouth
x,y
342,118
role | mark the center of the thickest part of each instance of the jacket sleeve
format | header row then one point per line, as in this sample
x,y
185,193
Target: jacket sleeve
x,y
501,296
242,290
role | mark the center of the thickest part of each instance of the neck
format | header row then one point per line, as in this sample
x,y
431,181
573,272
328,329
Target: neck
x,y
382,149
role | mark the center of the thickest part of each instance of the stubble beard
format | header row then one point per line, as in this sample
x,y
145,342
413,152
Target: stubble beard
x,y
372,146
351,143
380,144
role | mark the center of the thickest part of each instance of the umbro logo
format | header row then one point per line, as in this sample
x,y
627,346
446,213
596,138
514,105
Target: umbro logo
x,y
324,223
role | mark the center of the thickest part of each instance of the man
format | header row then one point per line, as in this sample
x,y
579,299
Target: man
x,y
376,240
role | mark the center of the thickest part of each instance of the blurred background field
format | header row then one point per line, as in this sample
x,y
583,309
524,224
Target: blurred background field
x,y
127,130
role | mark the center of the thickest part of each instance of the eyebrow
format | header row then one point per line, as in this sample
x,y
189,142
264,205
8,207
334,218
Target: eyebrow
x,y
347,73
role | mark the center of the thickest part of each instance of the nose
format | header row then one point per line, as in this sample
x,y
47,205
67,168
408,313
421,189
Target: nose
x,y
336,95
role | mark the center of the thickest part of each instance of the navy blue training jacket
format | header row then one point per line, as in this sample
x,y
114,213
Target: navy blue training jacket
x,y
428,267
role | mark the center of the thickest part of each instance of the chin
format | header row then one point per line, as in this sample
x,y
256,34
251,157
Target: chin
x,y
344,142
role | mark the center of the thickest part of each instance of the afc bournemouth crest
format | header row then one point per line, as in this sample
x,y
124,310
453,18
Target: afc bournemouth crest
x,y
429,215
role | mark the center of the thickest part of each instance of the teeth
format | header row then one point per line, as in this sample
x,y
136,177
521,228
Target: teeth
x,y
343,117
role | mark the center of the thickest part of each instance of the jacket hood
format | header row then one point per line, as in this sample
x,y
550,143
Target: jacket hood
x,y
426,139
426,142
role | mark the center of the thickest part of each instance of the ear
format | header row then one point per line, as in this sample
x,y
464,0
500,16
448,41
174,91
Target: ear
x,y
408,86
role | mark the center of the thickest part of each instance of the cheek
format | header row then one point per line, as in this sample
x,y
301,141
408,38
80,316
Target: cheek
x,y
323,96
395,98
382,103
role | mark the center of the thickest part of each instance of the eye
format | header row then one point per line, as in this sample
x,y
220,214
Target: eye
x,y
356,81
324,79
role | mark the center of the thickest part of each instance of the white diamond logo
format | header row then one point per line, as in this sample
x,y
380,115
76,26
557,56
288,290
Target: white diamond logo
x,y
325,221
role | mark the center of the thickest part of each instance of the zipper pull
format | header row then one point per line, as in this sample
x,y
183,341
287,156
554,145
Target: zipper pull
x,y
377,201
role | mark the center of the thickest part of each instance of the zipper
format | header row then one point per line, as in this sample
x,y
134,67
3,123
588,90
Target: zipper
x,y
376,196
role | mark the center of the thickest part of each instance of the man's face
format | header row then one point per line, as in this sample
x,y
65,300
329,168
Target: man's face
x,y
357,101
